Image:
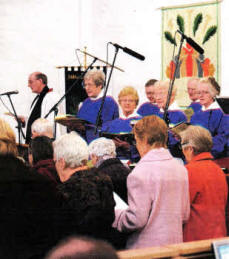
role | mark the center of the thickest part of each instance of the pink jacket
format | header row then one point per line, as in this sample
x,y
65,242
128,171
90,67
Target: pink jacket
x,y
158,198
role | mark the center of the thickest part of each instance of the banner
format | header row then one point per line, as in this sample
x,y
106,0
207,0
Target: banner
x,y
201,23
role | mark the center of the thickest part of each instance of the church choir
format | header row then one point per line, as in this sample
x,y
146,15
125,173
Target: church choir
x,y
84,183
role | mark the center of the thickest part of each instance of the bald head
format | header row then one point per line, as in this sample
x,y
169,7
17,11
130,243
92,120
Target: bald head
x,y
37,81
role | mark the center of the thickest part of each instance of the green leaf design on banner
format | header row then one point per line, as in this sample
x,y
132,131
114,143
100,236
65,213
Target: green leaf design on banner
x,y
197,21
210,32
180,23
170,38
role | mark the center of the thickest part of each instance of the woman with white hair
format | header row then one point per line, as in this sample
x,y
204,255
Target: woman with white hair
x,y
103,156
207,187
211,116
87,194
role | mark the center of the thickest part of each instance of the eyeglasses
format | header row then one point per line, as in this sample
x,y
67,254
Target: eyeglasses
x,y
127,100
203,92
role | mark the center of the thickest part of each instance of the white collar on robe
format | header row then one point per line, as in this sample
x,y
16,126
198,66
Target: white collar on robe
x,y
134,114
97,97
173,106
212,106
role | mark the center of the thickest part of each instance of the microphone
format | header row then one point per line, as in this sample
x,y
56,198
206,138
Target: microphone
x,y
128,51
9,93
192,43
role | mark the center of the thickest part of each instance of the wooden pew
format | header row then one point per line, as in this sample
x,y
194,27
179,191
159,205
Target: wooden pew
x,y
196,249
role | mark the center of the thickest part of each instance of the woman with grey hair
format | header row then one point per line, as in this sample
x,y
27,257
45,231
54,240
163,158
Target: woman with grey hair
x,y
42,127
87,194
211,116
103,156
207,187
93,83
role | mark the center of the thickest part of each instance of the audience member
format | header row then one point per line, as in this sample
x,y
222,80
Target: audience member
x,y
94,81
82,248
207,187
128,100
42,127
158,194
88,194
211,116
103,155
8,144
41,157
27,206
149,108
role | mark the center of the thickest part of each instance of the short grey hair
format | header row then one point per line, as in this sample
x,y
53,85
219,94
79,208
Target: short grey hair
x,y
197,137
102,147
97,76
72,148
42,126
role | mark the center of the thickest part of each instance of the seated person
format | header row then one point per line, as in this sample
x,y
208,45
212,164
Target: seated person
x,y
27,204
93,82
41,158
207,187
149,108
103,156
174,114
42,127
88,194
212,117
193,94
158,195
128,100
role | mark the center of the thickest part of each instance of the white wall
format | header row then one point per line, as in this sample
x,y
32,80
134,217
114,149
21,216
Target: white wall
x,y
38,35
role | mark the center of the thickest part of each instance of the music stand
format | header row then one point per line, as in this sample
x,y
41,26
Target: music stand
x,y
224,104
72,122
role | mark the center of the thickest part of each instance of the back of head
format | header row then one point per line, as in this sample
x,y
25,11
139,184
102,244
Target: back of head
x,y
72,148
7,139
41,148
42,127
82,248
102,147
152,129
197,137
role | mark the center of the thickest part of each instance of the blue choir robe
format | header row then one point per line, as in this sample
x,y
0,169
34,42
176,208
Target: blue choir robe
x,y
148,109
175,116
123,125
196,106
89,111
214,119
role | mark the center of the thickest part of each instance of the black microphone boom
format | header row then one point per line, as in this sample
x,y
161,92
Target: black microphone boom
x,y
192,43
129,51
9,93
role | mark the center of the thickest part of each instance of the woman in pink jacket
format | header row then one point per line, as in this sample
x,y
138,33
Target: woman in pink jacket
x,y
158,195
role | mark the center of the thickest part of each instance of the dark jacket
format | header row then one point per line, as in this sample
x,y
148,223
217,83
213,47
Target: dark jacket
x,y
48,169
118,173
28,205
89,205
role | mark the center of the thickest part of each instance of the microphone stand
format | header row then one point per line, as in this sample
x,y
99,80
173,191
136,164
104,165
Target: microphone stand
x,y
99,119
19,123
54,108
165,116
